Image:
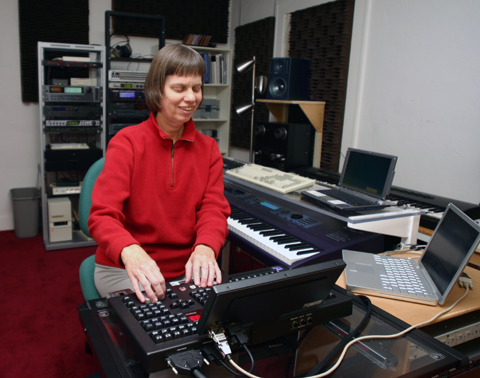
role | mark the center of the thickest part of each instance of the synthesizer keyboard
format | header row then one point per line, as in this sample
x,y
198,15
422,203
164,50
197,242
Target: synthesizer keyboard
x,y
271,178
158,330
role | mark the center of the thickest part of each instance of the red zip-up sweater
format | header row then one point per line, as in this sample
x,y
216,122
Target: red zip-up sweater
x,y
166,198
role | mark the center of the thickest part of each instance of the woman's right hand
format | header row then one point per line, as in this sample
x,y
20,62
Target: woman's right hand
x,y
141,268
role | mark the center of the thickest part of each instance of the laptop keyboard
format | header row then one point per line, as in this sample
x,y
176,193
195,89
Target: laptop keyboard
x,y
400,276
350,198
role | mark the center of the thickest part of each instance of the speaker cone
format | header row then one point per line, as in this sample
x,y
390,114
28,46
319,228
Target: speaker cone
x,y
278,87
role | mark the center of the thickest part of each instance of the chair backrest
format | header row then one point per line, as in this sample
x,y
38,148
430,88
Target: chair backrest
x,y
85,201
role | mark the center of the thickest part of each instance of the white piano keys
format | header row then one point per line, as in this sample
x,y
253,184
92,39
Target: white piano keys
x,y
279,251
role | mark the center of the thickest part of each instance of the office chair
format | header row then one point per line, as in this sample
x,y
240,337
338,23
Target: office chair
x,y
87,267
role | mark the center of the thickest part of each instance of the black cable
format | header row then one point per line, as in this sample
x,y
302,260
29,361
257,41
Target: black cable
x,y
317,369
238,335
251,357
197,373
211,353
236,373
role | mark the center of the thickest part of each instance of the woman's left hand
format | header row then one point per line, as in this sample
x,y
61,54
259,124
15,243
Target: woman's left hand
x,y
203,267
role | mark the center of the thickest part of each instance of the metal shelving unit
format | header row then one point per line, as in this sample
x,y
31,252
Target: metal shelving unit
x,y
71,81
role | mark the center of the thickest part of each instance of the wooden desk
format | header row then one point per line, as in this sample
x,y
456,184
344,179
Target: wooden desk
x,y
413,313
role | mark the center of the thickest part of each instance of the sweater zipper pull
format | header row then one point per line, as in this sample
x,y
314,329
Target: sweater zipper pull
x,y
173,153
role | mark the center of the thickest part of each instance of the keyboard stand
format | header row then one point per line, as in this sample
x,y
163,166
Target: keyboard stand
x,y
392,220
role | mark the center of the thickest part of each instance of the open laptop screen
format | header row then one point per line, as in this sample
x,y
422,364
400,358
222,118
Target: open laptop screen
x,y
452,243
369,172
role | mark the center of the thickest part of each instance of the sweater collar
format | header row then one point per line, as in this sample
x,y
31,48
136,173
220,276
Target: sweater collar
x,y
188,130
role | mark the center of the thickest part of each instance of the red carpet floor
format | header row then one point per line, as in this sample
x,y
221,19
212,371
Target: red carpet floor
x,y
40,332
41,335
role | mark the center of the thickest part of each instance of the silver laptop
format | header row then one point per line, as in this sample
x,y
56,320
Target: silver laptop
x,y
364,184
427,281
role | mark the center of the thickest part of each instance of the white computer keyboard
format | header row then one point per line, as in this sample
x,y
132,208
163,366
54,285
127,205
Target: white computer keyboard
x,y
271,178
69,146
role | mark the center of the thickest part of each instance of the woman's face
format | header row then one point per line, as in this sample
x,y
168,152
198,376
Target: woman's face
x,y
181,97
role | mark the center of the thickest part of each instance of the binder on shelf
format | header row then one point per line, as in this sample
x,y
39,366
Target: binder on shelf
x,y
206,58
213,69
221,67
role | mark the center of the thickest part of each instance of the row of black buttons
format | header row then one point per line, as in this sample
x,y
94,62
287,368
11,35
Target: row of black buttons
x,y
163,322
182,304
250,276
149,311
201,295
171,333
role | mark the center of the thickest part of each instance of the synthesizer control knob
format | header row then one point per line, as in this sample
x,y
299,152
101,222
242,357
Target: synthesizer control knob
x,y
296,216
88,89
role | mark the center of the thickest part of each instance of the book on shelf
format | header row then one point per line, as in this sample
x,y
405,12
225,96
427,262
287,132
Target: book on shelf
x,y
216,68
206,58
196,39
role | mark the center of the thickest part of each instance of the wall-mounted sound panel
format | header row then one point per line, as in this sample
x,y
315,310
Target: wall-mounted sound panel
x,y
323,34
47,20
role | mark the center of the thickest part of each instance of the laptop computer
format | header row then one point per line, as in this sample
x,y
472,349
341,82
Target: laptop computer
x,y
364,184
452,244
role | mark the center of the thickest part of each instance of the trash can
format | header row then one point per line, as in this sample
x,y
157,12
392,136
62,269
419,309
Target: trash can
x,y
26,211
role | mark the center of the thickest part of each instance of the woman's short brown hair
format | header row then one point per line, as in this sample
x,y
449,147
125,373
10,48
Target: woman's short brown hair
x,y
174,59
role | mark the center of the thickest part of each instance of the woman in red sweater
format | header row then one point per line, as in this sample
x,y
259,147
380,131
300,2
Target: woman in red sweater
x,y
158,209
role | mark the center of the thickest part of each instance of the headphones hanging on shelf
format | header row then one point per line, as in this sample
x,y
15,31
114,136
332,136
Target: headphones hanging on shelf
x,y
120,49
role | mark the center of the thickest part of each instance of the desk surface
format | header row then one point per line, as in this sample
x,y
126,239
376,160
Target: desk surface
x,y
414,313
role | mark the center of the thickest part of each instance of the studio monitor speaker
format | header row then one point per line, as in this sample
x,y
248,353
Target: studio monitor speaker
x,y
288,79
283,146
